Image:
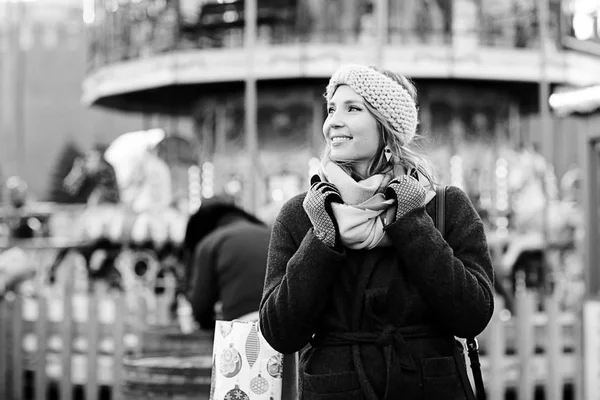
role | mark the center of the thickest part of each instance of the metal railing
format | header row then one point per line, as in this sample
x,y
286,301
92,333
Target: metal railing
x,y
113,47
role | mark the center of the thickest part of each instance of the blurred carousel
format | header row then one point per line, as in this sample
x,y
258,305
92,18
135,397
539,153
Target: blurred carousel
x,y
121,262
138,239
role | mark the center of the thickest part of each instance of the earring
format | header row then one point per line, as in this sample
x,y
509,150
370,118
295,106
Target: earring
x,y
387,152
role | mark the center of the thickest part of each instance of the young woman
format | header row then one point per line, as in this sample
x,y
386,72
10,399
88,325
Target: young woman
x,y
358,277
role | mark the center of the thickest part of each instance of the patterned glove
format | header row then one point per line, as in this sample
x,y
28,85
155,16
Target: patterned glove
x,y
317,205
408,193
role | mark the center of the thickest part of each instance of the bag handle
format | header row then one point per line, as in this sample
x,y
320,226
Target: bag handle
x,y
472,345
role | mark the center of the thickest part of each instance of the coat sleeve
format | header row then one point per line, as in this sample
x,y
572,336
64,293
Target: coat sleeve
x,y
204,292
454,275
296,289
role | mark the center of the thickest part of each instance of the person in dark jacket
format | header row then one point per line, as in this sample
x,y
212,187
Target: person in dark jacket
x,y
359,280
95,177
227,256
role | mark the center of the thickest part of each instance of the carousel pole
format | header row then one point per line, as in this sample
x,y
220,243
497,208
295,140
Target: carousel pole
x,y
553,347
547,135
544,84
250,111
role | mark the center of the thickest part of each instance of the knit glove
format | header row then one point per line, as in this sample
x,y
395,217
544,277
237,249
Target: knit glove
x,y
408,193
317,205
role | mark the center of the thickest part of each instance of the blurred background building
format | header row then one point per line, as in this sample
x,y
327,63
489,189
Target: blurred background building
x,y
42,64
183,65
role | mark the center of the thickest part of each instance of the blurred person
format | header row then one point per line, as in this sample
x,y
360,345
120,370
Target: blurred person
x,y
226,255
94,175
359,279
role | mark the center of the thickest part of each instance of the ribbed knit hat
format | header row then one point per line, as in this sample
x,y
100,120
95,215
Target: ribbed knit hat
x,y
386,95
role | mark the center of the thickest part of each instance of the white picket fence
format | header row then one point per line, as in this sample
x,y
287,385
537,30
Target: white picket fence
x,y
531,350
519,352
72,334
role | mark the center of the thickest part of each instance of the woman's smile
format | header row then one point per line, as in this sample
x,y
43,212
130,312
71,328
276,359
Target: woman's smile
x,y
338,140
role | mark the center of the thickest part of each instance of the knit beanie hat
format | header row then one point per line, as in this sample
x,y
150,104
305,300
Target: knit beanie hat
x,y
386,95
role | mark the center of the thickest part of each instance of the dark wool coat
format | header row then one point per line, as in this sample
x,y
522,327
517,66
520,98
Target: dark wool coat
x,y
380,323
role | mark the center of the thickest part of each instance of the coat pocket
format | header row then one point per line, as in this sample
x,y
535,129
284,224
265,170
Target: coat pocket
x,y
441,380
338,386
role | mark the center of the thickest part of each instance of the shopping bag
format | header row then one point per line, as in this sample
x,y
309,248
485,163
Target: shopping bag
x,y
244,366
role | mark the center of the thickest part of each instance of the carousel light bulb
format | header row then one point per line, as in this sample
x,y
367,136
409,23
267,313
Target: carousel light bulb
x,y
501,171
502,222
194,187
502,185
112,6
583,26
233,187
502,232
208,180
89,12
502,206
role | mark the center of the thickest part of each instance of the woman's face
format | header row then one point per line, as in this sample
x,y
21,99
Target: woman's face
x,y
350,130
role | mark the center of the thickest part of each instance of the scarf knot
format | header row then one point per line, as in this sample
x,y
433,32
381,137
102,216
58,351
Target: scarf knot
x,y
361,218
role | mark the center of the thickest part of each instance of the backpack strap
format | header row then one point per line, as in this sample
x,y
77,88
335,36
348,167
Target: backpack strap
x,y
472,345
440,209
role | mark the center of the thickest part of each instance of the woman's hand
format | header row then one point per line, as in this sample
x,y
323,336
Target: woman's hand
x,y
317,205
408,193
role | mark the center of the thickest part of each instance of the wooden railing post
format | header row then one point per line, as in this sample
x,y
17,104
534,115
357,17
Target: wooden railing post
x,y
41,334
66,386
91,384
141,310
121,311
4,324
17,346
554,348
524,302
579,341
496,350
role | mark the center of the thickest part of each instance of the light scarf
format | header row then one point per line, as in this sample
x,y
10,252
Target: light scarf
x,y
360,218
365,213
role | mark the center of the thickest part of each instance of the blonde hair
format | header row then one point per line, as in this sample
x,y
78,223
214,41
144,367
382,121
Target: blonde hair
x,y
404,154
